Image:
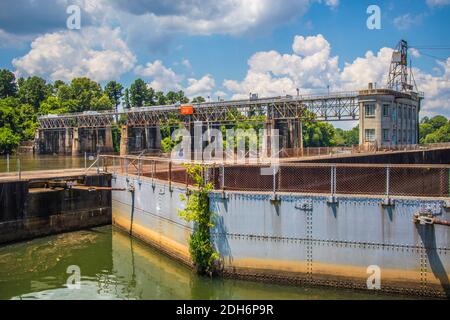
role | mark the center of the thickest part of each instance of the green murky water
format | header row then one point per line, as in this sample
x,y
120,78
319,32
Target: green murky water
x,y
115,266
43,162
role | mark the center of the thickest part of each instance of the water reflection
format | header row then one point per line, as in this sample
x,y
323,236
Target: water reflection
x,y
116,266
44,162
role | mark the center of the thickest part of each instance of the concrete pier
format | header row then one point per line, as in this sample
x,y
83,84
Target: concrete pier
x,y
124,141
74,141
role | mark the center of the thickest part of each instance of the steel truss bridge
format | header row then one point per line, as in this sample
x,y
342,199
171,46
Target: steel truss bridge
x,y
332,107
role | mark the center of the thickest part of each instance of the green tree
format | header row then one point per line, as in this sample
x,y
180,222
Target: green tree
x,y
7,112
8,86
175,97
160,98
63,92
440,135
33,91
318,134
8,140
114,90
347,138
138,93
85,91
52,105
198,99
102,103
434,130
126,101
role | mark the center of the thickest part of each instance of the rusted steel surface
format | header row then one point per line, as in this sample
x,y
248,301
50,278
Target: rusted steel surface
x,y
316,178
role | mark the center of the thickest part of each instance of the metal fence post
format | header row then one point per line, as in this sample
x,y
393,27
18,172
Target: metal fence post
x,y
333,184
7,162
388,181
170,175
19,169
85,160
332,181
139,169
274,173
222,178
98,164
153,170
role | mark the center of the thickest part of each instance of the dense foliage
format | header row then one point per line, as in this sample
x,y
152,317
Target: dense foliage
x,y
197,211
434,130
22,100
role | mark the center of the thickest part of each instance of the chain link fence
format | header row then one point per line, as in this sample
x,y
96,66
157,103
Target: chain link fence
x,y
323,178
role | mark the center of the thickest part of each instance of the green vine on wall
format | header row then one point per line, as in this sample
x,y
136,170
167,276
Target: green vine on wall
x,y
197,210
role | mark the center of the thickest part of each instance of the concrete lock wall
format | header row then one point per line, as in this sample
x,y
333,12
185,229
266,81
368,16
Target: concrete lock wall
x,y
27,213
301,239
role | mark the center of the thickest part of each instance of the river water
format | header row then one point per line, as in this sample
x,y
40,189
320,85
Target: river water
x,y
43,162
114,265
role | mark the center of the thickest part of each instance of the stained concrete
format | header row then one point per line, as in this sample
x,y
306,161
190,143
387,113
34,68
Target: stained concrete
x,y
27,213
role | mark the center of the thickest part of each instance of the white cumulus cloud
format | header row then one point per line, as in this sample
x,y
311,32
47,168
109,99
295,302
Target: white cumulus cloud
x,y
165,79
312,68
200,87
97,53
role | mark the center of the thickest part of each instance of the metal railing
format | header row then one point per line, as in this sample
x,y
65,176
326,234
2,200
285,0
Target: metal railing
x,y
331,151
309,178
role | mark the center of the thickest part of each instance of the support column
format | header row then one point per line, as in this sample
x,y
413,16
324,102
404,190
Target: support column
x,y
68,142
124,141
75,142
61,149
295,136
37,141
267,144
153,138
108,146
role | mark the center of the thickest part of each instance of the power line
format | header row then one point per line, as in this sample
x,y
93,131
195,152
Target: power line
x,y
434,57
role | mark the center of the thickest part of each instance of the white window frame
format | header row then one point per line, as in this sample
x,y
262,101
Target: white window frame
x,y
370,106
369,137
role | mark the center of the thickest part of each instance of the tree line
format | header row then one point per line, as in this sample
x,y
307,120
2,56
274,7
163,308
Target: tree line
x,y
22,100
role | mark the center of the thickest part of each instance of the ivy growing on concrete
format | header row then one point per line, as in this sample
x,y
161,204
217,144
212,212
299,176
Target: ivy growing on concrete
x,y
197,211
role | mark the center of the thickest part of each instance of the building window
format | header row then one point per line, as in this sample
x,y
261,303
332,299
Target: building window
x,y
370,110
404,136
370,135
385,110
386,135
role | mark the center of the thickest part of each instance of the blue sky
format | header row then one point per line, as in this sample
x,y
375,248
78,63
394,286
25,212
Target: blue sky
x,y
229,48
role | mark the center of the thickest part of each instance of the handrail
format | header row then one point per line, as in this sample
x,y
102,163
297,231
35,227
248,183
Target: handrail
x,y
93,163
284,164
